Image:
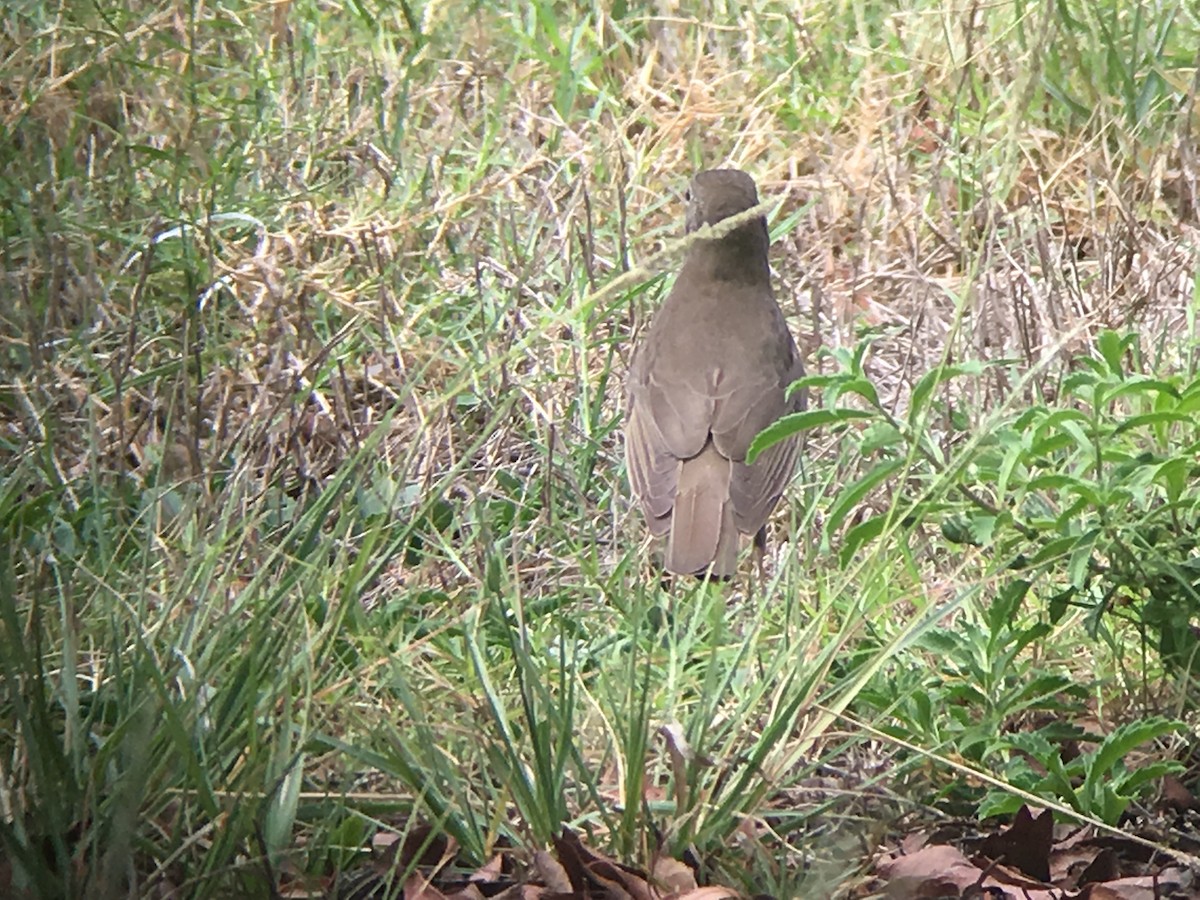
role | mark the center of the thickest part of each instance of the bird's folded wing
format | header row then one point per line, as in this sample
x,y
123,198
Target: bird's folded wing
x,y
755,489
665,423
682,413
653,469
746,410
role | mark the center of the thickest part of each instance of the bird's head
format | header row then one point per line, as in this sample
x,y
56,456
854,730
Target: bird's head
x,y
718,194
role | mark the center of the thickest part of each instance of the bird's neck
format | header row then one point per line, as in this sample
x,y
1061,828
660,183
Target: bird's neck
x,y
739,256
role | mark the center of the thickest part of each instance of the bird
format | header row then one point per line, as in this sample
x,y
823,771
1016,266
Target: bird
x,y
712,372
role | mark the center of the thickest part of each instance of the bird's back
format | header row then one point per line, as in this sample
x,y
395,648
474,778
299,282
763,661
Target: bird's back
x,y
711,373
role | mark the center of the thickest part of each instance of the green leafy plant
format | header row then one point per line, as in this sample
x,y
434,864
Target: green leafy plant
x,y
1098,784
1085,506
1090,503
983,678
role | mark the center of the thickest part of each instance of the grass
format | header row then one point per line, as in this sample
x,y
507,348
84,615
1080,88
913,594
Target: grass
x,y
314,328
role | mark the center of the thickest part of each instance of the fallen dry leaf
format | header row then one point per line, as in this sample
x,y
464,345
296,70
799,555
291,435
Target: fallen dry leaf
x,y
1103,867
527,892
1176,796
673,876
492,871
1170,882
1024,845
940,870
551,872
421,846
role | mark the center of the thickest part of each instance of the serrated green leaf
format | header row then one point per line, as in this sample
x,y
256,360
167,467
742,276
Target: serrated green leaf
x,y
932,379
1141,384
1100,764
998,803
860,386
1027,637
940,641
852,494
816,383
797,423
1055,420
860,534
1150,773
1081,384
1153,419
957,529
983,528
1003,608
819,382
1059,603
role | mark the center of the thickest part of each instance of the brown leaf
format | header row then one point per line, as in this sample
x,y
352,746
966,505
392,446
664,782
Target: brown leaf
x,y
1068,863
940,870
529,892
914,841
672,875
620,883
417,887
1171,881
574,858
491,872
551,872
1102,868
1176,796
585,866
419,847
1025,844
708,893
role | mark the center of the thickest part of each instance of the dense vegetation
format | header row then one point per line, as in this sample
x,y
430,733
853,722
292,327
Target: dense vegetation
x,y
313,325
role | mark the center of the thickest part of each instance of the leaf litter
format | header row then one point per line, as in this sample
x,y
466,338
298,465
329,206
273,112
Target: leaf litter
x,y
569,871
1035,858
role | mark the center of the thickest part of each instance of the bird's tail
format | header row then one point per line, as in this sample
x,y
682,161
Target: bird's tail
x,y
703,537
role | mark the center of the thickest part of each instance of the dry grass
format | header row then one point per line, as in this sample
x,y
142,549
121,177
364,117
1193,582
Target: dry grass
x,y
240,240
1064,236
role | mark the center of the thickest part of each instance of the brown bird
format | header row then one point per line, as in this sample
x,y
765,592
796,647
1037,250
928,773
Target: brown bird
x,y
711,373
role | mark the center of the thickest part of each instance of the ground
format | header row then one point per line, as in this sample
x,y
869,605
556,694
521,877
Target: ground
x,y
314,327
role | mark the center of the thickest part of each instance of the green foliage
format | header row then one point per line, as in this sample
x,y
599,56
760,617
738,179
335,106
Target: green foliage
x,y
1098,783
1130,54
1086,506
1091,503
963,684
311,513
